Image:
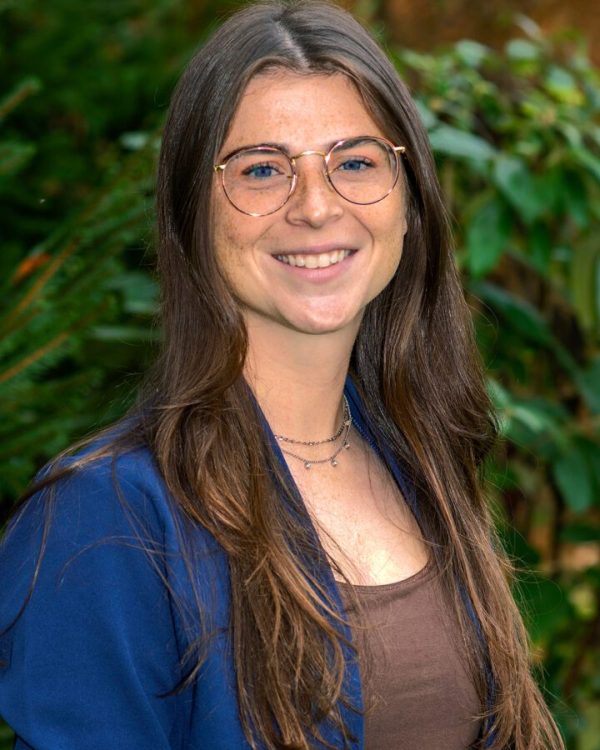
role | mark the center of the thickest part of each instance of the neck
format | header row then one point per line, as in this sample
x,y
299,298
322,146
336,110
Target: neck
x,y
298,379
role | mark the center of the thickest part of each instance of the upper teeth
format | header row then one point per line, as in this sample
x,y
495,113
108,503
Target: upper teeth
x,y
322,260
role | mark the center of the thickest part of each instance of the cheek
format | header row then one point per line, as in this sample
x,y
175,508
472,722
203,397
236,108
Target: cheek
x,y
227,237
391,229
390,239
235,239
225,244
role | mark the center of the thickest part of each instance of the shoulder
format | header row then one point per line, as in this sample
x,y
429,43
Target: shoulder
x,y
87,625
81,507
85,495
105,521
133,471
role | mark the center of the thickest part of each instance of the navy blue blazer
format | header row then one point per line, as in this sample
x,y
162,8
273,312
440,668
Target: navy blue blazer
x,y
92,656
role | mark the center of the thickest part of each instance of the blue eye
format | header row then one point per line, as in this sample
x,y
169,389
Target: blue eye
x,y
355,165
260,171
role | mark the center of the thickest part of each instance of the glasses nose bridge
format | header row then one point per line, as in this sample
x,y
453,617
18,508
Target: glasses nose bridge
x,y
310,152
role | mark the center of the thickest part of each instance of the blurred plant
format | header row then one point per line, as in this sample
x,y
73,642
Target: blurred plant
x,y
70,304
517,139
75,200
86,87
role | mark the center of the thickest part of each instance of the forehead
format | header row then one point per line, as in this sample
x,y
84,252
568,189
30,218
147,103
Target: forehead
x,y
299,111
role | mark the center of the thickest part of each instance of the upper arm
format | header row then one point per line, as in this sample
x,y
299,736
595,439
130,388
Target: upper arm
x,y
95,646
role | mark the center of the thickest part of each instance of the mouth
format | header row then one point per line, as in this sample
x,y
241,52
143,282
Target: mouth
x,y
314,260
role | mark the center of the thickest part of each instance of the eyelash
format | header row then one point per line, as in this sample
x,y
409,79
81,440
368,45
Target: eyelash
x,y
264,165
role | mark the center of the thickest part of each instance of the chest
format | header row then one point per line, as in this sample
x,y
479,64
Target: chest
x,y
363,521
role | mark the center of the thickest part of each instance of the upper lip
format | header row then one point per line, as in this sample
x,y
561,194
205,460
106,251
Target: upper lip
x,y
329,247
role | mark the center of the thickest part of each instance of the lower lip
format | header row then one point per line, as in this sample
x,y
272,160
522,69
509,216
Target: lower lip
x,y
319,275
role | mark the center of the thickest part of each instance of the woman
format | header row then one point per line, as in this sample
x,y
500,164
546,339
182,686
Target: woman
x,y
285,544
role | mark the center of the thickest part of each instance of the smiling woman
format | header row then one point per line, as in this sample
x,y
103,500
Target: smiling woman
x,y
284,544
309,246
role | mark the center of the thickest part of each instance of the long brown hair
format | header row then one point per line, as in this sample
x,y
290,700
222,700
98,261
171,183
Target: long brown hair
x,y
414,362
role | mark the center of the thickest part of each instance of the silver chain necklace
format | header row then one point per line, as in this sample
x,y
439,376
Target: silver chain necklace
x,y
342,432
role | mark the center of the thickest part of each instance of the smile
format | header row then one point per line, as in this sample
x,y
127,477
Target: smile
x,y
320,260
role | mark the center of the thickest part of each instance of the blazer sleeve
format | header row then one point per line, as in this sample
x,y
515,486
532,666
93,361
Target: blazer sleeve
x,y
87,662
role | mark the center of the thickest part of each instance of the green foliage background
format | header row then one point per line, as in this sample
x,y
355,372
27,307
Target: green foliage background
x,y
83,91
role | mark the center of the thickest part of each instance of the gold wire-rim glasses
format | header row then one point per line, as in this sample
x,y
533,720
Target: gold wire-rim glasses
x,y
326,155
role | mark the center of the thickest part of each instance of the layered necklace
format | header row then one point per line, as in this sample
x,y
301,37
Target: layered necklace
x,y
341,434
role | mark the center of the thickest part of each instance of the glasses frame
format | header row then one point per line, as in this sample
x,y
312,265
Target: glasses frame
x,y
326,156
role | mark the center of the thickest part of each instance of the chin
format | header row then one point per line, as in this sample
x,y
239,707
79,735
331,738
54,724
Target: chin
x,y
323,325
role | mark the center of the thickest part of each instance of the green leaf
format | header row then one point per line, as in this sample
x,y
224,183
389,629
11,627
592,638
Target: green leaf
x,y
580,533
543,426
518,548
515,182
522,315
471,53
454,142
574,479
487,236
575,200
14,156
532,418
498,394
417,60
561,84
591,450
544,604
123,334
589,385
428,119
584,264
139,290
521,49
25,88
540,247
550,185
572,133
586,159
135,140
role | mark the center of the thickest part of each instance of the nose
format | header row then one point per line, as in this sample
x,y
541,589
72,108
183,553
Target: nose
x,y
313,201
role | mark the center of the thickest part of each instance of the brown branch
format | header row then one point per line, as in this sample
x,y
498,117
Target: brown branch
x,y
27,88
33,357
54,266
41,282
48,347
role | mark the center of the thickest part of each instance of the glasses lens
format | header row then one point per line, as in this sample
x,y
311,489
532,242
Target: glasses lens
x,y
258,180
363,170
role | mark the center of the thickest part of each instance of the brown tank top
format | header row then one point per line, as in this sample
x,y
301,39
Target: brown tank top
x,y
418,695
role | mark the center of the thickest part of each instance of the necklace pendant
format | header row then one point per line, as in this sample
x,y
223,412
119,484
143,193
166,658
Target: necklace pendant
x,y
346,445
334,462
307,464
